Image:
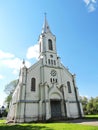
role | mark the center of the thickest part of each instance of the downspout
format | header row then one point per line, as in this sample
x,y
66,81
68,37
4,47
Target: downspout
x,y
76,95
25,94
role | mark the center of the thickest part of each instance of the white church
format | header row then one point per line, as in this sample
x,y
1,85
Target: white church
x,y
46,90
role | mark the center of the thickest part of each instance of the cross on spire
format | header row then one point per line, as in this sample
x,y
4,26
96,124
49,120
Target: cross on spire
x,y
45,28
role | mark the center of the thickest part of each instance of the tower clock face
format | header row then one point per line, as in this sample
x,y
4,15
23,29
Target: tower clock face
x,y
53,73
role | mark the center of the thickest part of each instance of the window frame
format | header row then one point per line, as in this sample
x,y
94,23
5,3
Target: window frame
x,y
50,45
33,84
69,87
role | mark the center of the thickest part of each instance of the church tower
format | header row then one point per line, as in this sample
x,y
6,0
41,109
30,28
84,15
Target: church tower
x,y
47,45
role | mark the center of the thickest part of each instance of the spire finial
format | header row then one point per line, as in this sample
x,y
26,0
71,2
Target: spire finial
x,y
45,14
23,62
45,28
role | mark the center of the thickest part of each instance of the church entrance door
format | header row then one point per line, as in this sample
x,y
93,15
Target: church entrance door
x,y
55,108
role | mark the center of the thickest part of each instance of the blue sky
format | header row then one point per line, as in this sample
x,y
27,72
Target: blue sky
x,y
75,24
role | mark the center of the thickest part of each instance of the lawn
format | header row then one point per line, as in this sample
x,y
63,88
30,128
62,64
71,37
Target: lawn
x,y
45,126
91,117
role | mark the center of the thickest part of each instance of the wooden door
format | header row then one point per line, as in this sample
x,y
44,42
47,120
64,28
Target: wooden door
x,y
55,109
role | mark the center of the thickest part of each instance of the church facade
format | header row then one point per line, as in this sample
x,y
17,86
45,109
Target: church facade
x,y
46,90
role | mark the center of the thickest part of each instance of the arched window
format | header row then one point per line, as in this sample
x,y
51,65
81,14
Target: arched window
x,y
54,62
33,84
51,80
56,80
40,47
49,61
69,87
50,44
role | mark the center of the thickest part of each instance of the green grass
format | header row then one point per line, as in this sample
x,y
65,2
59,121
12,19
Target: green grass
x,y
91,116
45,126
2,121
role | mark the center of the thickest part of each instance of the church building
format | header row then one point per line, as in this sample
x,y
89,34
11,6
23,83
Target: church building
x,y
46,90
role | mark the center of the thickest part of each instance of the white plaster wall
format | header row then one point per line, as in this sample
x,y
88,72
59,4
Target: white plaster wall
x,y
32,111
68,77
73,110
34,71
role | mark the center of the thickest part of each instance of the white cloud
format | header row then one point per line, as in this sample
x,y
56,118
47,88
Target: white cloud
x,y
15,72
94,1
33,52
91,8
5,55
10,61
87,1
84,96
27,63
15,64
1,76
91,5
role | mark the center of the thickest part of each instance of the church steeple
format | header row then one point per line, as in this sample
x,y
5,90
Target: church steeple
x,y
47,46
46,27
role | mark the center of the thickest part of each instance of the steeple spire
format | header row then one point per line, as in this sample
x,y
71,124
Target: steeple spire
x,y
45,28
23,64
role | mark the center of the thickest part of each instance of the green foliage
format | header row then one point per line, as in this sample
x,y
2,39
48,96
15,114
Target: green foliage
x,y
90,106
9,89
8,99
4,114
84,101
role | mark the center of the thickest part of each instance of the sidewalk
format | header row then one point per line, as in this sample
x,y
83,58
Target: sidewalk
x,y
93,122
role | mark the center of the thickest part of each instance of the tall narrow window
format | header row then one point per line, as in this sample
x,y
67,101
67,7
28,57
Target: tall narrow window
x,y
69,87
54,62
56,80
33,84
50,44
49,61
51,80
40,47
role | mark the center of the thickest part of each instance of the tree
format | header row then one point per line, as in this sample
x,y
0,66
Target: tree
x,y
3,112
84,101
9,89
90,106
8,99
95,105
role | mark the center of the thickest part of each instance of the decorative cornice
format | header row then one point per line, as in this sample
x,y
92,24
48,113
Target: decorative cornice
x,y
26,101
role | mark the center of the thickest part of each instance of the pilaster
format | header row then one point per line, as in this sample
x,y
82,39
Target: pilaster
x,y
47,102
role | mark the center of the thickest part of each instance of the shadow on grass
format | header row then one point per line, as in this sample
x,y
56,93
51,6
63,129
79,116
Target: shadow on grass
x,y
84,119
91,117
77,120
25,127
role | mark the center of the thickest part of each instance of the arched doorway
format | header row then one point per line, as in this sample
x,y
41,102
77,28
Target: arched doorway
x,y
56,108
56,105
